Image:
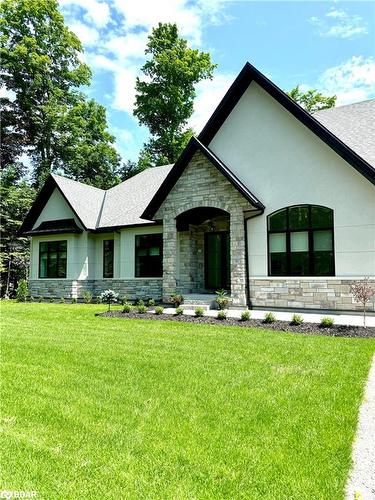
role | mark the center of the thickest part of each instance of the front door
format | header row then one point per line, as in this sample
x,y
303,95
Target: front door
x,y
217,263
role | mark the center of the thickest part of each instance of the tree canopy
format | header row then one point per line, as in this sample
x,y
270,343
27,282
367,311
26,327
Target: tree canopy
x,y
312,100
165,96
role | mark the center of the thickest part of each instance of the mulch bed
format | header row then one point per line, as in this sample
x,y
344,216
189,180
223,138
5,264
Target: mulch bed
x,y
284,326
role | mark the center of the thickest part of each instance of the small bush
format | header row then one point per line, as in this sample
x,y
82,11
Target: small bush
x,y
52,300
124,300
151,303
222,300
297,319
141,308
199,312
31,299
22,291
62,300
40,299
177,299
179,311
127,308
326,322
74,300
109,297
98,300
245,315
139,302
269,318
87,297
159,310
221,315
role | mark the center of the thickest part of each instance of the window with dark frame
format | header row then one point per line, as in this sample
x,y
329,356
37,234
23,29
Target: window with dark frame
x,y
108,252
300,241
52,259
149,256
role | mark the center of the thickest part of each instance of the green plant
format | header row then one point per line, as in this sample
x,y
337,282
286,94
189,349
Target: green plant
x,y
87,296
179,311
52,300
297,319
139,302
98,300
124,300
221,299
245,315
74,300
326,322
40,298
127,307
151,303
22,291
31,299
141,308
159,310
199,312
221,315
62,300
109,297
269,318
177,299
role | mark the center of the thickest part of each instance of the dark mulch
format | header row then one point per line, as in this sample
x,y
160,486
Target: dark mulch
x,y
283,326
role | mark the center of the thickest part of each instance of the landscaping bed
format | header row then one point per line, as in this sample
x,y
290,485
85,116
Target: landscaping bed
x,y
284,326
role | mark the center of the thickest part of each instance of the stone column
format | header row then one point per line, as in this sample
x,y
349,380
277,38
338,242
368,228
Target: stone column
x,y
237,258
169,257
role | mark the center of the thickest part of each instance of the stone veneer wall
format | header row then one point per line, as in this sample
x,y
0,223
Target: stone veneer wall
x,y
318,293
202,185
132,288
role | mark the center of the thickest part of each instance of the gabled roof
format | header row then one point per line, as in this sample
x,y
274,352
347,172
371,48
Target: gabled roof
x,y
55,227
239,86
178,168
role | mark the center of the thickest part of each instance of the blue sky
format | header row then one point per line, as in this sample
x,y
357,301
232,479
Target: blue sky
x,y
325,45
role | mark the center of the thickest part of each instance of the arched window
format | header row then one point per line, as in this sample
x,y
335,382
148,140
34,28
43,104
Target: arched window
x,y
300,241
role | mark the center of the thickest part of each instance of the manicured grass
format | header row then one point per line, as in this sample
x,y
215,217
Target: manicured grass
x,y
106,408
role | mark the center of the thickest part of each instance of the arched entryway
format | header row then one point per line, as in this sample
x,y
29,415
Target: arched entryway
x,y
203,250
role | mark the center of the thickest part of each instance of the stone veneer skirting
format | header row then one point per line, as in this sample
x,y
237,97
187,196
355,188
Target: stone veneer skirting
x,y
132,288
326,293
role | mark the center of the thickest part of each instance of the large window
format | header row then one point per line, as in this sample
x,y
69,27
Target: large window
x,y
300,242
52,259
108,259
149,255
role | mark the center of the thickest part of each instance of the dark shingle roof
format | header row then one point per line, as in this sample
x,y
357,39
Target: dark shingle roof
x,y
353,124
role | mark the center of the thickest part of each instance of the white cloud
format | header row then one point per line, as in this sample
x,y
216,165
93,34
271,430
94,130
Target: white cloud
x,y
95,12
209,94
130,46
88,36
339,23
351,81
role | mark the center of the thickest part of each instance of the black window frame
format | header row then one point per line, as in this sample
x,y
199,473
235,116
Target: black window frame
x,y
105,254
58,251
310,229
159,268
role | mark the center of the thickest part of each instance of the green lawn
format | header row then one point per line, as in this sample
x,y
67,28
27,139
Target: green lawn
x,y
104,408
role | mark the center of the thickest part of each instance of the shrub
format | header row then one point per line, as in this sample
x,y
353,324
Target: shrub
x,y
221,315
127,308
62,300
159,310
87,297
98,300
31,299
269,318
52,300
179,311
124,300
74,300
151,303
109,297
22,291
221,299
362,292
40,299
141,308
326,322
245,315
297,319
177,299
199,312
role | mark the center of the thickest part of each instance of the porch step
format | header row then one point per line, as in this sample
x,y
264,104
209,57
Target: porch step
x,y
204,300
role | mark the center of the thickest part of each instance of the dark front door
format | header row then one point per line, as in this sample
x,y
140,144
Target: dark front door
x,y
217,264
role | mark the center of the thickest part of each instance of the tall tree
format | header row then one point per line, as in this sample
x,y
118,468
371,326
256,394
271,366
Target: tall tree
x,y
41,64
165,97
312,100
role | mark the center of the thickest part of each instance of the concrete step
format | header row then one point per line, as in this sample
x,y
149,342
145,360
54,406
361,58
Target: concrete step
x,y
205,300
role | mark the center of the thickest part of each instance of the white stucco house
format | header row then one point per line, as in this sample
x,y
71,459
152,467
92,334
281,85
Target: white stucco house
x,y
268,202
